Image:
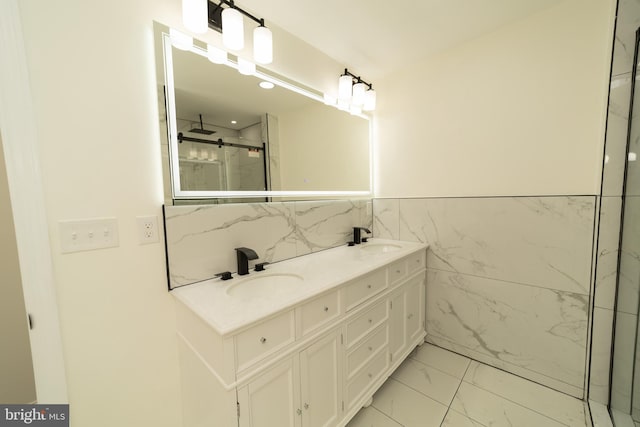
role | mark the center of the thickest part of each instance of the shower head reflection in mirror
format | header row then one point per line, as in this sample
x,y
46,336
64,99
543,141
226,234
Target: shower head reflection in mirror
x,y
308,150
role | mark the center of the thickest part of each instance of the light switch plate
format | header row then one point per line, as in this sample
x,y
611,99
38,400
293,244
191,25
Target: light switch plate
x,y
88,234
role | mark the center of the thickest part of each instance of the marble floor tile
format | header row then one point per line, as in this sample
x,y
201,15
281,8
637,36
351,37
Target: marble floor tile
x,y
543,400
492,410
599,414
456,419
439,358
427,380
407,406
371,417
621,419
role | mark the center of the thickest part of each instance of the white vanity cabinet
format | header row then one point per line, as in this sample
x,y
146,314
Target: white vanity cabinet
x,y
314,363
304,390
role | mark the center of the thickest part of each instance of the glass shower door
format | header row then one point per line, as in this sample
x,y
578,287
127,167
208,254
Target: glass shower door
x,y
625,380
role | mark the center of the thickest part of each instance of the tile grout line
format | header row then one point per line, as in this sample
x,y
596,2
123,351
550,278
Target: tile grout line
x,y
454,394
510,364
516,403
531,285
385,415
436,368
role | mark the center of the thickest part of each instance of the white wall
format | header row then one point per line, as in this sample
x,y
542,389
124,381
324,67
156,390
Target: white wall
x,y
16,370
520,111
94,62
323,148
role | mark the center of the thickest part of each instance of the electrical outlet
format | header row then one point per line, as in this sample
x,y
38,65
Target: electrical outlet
x,y
88,234
148,229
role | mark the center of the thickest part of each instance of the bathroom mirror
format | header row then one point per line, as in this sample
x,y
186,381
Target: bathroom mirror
x,y
230,138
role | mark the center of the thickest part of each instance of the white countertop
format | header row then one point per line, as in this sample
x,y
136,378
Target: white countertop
x,y
321,271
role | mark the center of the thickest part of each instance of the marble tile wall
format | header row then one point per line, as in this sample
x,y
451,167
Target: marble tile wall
x,y
201,239
508,279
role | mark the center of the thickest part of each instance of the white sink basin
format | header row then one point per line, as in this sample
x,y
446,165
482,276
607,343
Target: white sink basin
x,y
379,248
264,284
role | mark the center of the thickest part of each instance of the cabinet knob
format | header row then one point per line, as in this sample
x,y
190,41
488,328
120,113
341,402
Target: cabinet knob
x,y
263,340
306,406
370,348
368,286
370,375
299,412
410,316
370,320
326,309
398,271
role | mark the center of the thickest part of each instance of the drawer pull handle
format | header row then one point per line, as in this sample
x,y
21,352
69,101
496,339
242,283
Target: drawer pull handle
x,y
306,406
326,309
263,340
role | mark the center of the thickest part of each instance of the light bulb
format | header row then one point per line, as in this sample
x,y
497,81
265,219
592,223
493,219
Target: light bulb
x,y
262,45
369,100
216,55
358,93
345,84
246,67
232,29
180,40
195,15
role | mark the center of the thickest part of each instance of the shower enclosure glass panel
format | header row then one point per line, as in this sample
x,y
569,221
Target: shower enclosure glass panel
x,y
209,167
625,381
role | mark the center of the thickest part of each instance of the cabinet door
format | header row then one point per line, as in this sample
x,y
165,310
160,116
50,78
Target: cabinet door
x,y
414,311
272,399
397,324
321,382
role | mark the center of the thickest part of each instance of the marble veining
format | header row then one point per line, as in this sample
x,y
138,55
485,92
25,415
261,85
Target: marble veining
x,y
201,239
540,330
541,241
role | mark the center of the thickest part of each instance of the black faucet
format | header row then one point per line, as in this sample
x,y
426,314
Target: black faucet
x,y
244,255
357,239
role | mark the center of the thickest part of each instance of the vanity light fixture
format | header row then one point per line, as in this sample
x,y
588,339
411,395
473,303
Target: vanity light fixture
x,y
232,29
227,18
356,92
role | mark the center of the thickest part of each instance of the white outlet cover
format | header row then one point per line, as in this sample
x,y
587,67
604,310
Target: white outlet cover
x,y
148,231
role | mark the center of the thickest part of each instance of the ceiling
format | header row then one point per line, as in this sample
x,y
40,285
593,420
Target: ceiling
x,y
375,37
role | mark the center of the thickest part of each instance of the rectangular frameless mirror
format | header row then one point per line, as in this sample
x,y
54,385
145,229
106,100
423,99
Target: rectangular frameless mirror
x,y
229,137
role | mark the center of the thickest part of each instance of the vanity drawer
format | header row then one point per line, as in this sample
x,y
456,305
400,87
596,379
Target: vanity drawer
x,y
362,289
366,377
358,328
366,351
397,271
264,339
417,261
319,312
